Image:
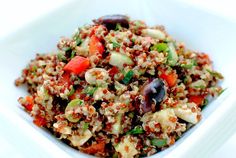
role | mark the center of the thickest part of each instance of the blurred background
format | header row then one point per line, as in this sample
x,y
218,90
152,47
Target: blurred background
x,y
15,14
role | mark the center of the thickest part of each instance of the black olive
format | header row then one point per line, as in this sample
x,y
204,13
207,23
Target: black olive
x,y
110,21
154,91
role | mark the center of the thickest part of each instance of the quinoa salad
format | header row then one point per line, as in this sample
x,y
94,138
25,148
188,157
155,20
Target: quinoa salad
x,y
119,88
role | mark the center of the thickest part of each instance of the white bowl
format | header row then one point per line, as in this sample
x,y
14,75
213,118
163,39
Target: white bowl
x,y
199,29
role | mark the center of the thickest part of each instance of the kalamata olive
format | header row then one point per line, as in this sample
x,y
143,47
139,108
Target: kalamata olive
x,y
110,21
153,92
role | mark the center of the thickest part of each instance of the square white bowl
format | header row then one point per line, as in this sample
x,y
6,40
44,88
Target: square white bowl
x,y
198,29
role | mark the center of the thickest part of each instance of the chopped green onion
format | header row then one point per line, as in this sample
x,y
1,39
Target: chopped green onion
x,y
189,65
200,87
72,105
116,45
72,91
128,77
118,27
136,130
133,40
215,74
61,57
85,126
158,142
78,41
89,90
72,54
66,49
160,47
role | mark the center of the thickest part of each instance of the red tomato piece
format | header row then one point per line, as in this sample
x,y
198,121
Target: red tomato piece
x,y
171,78
95,148
95,46
77,65
197,99
29,103
40,121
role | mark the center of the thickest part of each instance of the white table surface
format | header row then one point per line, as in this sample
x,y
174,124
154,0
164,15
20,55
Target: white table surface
x,y
15,14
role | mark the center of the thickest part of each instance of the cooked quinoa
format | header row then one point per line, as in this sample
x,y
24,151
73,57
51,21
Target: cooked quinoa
x,y
119,88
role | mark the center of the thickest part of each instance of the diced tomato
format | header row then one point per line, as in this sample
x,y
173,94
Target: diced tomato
x,y
170,78
95,46
95,148
39,121
114,70
77,65
29,103
197,99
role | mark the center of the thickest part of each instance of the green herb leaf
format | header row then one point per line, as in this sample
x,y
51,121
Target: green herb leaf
x,y
72,54
85,126
89,90
72,91
78,41
158,142
61,57
160,47
116,45
118,27
189,65
200,87
128,77
136,130
66,49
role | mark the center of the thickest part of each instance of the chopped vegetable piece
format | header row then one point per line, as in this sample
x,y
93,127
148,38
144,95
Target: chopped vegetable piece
x,y
199,84
72,91
90,90
197,99
172,55
160,47
159,142
77,65
189,65
27,102
154,33
116,45
171,78
40,121
86,126
118,27
117,127
95,46
78,41
118,59
61,57
70,110
72,54
95,148
128,77
136,130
